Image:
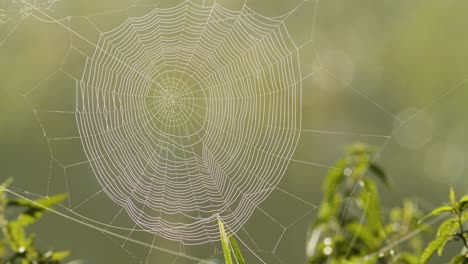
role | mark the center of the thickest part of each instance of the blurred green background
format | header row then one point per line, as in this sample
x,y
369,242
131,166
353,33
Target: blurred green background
x,y
392,68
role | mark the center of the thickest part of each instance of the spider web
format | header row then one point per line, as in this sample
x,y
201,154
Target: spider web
x,y
179,111
179,114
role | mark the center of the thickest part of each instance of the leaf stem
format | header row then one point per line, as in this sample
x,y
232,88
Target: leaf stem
x,y
462,232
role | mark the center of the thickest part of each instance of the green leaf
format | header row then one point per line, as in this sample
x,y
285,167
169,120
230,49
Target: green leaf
x,y
464,216
459,259
360,168
333,180
5,184
364,234
237,253
441,248
380,173
59,255
372,207
3,187
30,240
452,197
42,203
359,149
224,242
462,204
329,209
52,200
432,247
17,236
35,209
437,211
29,217
447,227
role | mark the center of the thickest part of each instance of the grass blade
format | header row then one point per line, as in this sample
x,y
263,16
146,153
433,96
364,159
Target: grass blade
x,y
224,242
236,249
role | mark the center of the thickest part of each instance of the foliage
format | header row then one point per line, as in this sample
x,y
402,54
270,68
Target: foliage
x,y
351,228
229,243
452,228
16,245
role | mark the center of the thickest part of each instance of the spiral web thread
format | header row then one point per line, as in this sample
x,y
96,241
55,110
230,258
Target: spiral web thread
x,y
184,114
178,113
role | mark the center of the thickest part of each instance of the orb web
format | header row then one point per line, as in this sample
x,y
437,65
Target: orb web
x,y
191,113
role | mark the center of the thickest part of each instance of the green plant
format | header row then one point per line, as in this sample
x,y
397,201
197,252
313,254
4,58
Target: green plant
x,y
452,228
229,243
16,215
350,227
